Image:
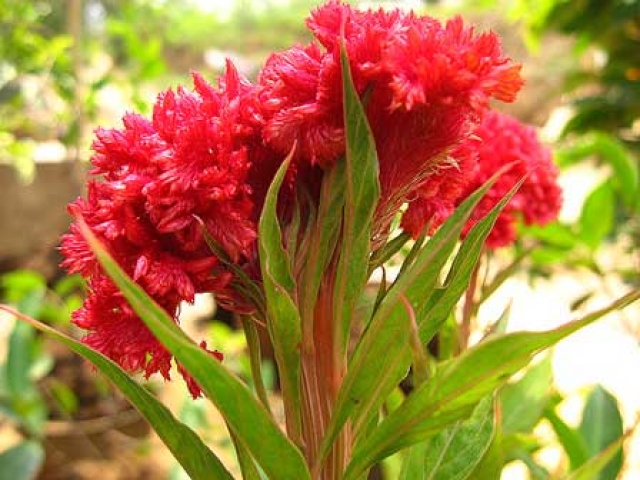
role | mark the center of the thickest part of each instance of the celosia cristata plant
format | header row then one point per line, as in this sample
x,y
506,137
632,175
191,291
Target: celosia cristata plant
x,y
281,198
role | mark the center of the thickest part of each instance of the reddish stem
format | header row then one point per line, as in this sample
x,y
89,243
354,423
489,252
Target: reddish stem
x,y
322,377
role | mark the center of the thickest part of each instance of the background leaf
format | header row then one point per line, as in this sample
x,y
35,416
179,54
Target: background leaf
x,y
600,427
597,218
21,462
626,176
522,403
570,439
194,456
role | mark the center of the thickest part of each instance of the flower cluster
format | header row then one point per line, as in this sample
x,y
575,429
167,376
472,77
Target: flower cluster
x,y
154,180
204,161
500,142
426,86
504,142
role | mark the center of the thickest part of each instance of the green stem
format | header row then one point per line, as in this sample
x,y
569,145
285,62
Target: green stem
x,y
255,359
469,309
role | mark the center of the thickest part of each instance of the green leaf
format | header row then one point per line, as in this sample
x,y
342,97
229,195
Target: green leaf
x,y
21,462
440,305
626,177
283,317
23,395
187,448
255,358
361,197
491,465
523,402
572,442
596,465
382,356
247,465
458,385
597,218
413,463
454,453
553,234
19,359
23,288
537,471
244,415
600,427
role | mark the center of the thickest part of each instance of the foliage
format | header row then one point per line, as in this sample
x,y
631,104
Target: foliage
x,y
35,76
603,94
591,450
21,400
607,33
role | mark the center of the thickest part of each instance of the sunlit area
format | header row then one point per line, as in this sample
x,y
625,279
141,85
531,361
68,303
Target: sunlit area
x,y
319,240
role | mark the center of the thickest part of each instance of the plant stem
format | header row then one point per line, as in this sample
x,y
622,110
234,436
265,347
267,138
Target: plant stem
x,y
468,309
322,372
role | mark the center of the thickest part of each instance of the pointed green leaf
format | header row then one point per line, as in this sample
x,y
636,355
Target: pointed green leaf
x,y
322,240
433,312
244,415
455,452
597,218
458,385
283,321
570,439
600,427
255,358
413,463
194,456
248,467
361,197
523,402
491,465
382,356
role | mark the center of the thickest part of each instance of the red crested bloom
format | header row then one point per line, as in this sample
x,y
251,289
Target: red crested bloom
x,y
192,385
434,200
425,85
116,331
505,142
153,180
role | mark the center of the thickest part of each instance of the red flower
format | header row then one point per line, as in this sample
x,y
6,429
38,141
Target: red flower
x,y
434,201
194,159
117,332
505,141
426,85
192,385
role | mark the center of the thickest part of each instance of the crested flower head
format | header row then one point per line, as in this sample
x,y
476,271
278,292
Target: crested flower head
x,y
505,142
154,182
425,86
